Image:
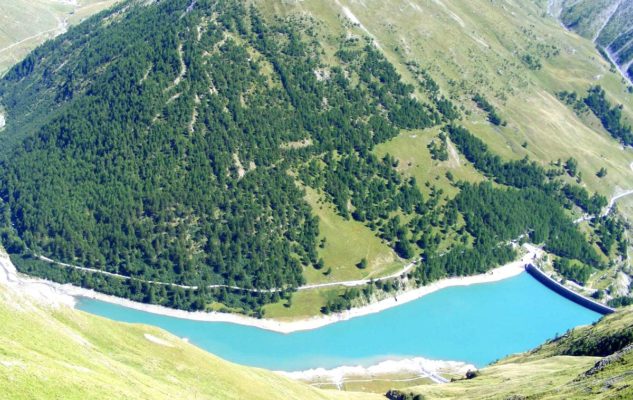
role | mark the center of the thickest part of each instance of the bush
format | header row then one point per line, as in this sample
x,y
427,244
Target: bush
x,y
398,395
472,374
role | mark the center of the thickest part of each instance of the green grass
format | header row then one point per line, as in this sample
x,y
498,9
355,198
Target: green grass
x,y
414,159
305,304
68,354
503,381
377,384
474,46
347,242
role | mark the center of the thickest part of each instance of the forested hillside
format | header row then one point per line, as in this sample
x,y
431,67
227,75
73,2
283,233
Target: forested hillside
x,y
168,132
166,152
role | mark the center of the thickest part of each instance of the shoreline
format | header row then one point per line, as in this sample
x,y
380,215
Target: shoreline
x,y
58,295
65,292
417,368
55,296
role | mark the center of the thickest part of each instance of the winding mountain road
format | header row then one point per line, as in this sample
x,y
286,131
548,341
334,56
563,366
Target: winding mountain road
x,y
608,209
360,282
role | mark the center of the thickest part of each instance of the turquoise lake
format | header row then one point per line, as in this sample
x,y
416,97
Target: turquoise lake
x,y
477,324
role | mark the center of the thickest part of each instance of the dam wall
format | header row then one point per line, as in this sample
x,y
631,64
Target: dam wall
x,y
567,293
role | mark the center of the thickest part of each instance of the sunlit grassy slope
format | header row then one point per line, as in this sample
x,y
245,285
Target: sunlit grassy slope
x,y
356,242
24,24
411,150
67,354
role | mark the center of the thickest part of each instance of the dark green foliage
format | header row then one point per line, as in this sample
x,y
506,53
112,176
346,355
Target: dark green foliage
x,y
625,55
394,394
519,174
572,99
532,62
576,272
598,346
470,374
126,193
610,116
403,247
341,303
384,83
568,97
439,148
580,197
462,261
610,230
447,109
444,106
140,147
495,215
605,55
165,295
622,301
571,166
621,41
482,103
601,173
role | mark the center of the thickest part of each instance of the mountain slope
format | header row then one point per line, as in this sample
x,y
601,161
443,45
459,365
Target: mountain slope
x,y
608,23
195,163
177,152
492,48
485,47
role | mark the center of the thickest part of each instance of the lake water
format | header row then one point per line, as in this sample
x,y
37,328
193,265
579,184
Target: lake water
x,y
477,324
